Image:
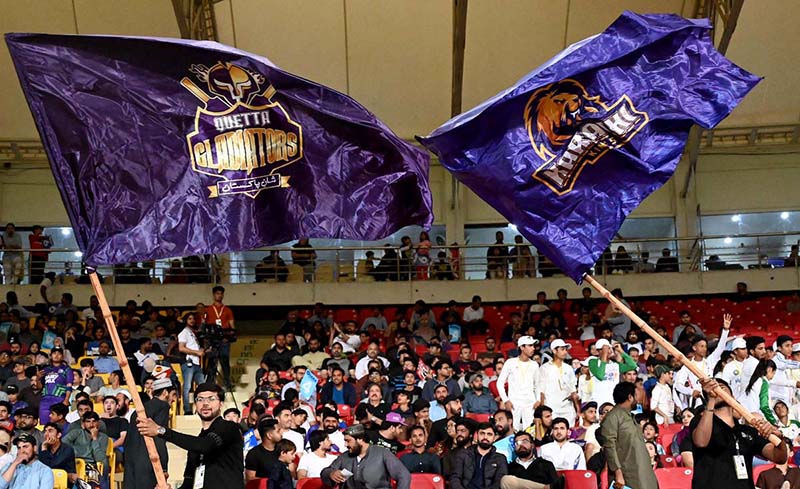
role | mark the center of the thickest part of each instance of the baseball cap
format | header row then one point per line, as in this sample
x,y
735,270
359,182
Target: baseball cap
x,y
601,343
661,370
558,343
26,411
585,361
795,347
588,405
452,397
475,376
741,343
526,340
419,405
395,418
12,389
56,348
25,438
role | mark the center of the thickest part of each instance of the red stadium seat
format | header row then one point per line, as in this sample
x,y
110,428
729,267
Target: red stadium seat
x,y
674,478
427,481
257,484
669,462
310,483
346,414
480,418
580,479
757,469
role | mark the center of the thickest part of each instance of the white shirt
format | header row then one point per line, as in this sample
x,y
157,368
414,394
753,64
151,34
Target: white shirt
x,y
522,378
661,398
49,291
337,439
568,456
732,374
141,357
188,337
471,314
361,366
349,346
557,384
298,440
314,464
603,389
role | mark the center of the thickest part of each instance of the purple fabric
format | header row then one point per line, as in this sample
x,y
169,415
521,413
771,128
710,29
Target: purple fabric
x,y
168,147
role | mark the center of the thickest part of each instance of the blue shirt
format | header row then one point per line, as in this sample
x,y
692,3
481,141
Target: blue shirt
x,y
437,411
105,365
35,475
338,395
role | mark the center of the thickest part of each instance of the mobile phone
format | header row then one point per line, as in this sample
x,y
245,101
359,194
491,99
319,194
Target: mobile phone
x,y
346,473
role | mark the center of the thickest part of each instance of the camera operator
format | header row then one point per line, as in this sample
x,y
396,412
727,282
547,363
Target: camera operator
x,y
215,456
190,367
220,317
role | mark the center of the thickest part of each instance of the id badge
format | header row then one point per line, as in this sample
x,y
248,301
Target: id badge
x,y
219,322
741,468
200,475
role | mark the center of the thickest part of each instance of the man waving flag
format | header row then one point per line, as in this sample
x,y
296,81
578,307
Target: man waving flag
x,y
571,149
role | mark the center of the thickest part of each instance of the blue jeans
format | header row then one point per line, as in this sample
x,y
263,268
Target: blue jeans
x,y
191,373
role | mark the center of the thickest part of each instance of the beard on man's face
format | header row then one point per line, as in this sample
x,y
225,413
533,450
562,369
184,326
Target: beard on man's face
x,y
484,444
523,452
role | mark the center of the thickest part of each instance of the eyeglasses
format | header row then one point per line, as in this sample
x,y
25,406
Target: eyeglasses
x,y
205,400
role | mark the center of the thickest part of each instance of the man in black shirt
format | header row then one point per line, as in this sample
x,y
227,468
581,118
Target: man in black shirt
x,y
279,357
262,459
421,461
389,433
138,468
724,450
528,471
215,456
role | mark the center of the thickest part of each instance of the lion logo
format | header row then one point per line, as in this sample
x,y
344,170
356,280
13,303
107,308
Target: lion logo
x,y
554,112
569,129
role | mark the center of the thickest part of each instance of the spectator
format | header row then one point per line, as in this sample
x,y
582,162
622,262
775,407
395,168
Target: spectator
x,y
477,399
314,358
780,476
283,414
661,401
318,457
89,442
444,376
349,338
11,243
272,268
419,460
503,426
376,319
57,455
558,383
116,427
375,465
607,369
262,458
473,317
190,368
38,259
479,465
337,390
442,268
529,471
58,379
26,471
628,460
390,433
422,256
105,363
176,274
115,386
303,254
667,263
522,376
564,454
221,316
644,265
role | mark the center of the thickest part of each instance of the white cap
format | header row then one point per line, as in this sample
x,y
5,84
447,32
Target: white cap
x,y
557,343
585,362
738,343
526,340
795,347
601,343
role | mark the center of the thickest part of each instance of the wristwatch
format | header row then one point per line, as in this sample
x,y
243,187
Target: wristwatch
x,y
161,431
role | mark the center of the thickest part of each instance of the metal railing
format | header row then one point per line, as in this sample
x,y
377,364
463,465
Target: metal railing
x,y
466,262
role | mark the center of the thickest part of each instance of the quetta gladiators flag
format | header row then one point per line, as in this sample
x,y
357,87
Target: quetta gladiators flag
x,y
571,149
166,147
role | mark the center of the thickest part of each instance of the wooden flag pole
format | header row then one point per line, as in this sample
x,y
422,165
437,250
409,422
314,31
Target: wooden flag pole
x,y
161,482
721,393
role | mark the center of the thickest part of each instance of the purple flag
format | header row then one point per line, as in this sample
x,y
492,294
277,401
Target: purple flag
x,y
571,149
167,147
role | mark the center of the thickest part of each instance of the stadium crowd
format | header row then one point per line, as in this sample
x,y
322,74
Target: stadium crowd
x,y
514,398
